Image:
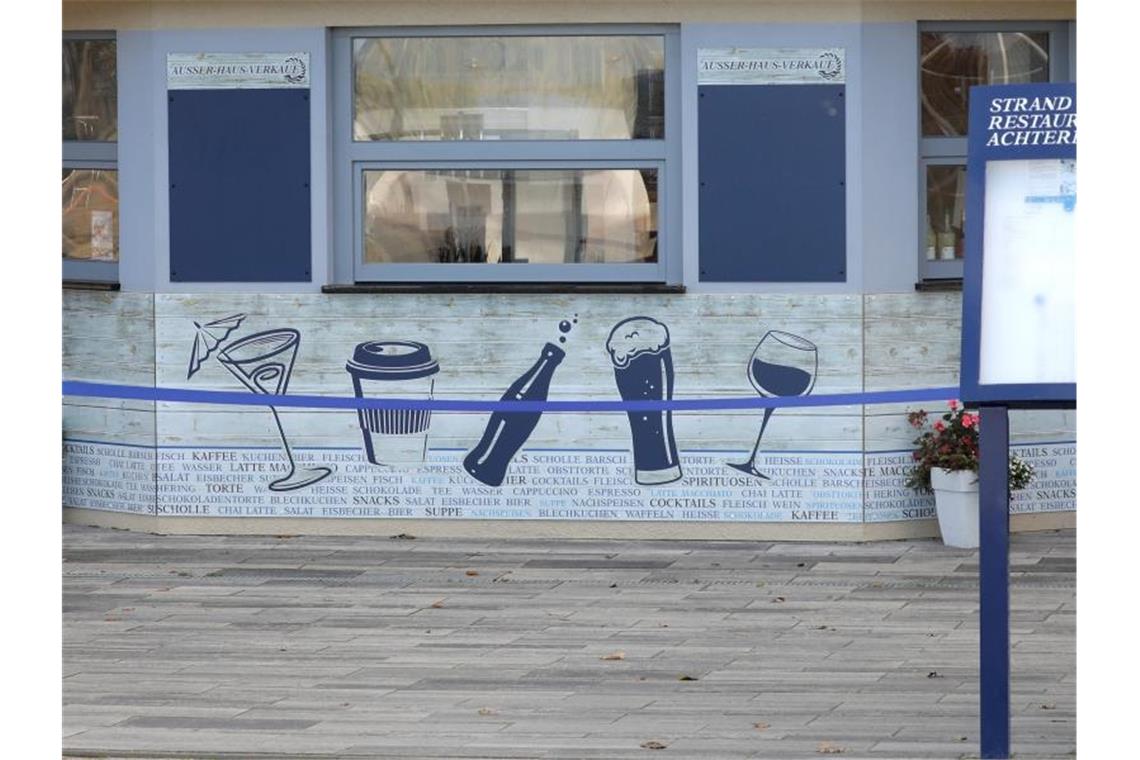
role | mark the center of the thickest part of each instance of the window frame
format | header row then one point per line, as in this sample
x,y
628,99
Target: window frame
x,y
351,158
94,154
934,151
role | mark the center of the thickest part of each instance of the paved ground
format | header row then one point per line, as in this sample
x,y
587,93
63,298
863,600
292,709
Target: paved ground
x,y
318,647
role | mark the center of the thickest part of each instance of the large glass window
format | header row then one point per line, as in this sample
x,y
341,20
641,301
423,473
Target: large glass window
x,y
519,216
90,207
508,88
953,58
550,149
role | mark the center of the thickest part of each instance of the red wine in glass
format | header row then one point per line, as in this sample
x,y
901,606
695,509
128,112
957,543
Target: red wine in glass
x,y
782,365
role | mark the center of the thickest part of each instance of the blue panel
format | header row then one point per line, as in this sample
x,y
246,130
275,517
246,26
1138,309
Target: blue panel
x,y
239,186
991,140
993,581
772,175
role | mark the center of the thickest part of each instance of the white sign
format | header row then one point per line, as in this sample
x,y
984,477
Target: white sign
x,y
1029,301
237,71
771,66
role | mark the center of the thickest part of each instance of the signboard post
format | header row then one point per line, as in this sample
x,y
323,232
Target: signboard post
x,y
1018,322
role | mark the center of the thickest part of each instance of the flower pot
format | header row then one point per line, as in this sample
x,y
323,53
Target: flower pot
x,y
956,502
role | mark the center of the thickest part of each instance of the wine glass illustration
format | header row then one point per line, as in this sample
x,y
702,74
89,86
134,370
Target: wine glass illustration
x,y
263,363
781,365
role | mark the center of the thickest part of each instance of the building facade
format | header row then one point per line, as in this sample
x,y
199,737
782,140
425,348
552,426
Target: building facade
x,y
468,202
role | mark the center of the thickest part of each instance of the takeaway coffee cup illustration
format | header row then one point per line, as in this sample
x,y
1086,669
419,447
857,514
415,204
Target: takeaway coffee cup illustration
x,y
393,369
643,370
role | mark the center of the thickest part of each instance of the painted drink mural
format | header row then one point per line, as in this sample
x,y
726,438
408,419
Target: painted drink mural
x,y
805,464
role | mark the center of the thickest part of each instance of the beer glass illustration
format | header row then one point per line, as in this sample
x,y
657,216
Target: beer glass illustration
x,y
396,369
643,369
781,365
263,363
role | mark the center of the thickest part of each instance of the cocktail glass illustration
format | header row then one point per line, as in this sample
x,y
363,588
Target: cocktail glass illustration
x,y
781,365
263,363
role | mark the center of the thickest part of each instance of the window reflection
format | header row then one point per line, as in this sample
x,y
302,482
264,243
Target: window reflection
x,y
952,62
91,214
945,212
90,91
510,216
509,88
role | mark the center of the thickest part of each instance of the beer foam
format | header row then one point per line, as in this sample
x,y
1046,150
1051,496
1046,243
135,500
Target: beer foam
x,y
635,336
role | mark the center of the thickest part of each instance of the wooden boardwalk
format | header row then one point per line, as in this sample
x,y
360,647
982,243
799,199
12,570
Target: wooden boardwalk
x,y
356,647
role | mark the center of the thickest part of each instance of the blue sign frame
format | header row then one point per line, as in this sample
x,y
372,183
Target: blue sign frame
x,y
1014,139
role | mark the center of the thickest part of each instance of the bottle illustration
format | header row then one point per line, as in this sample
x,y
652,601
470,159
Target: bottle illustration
x,y
946,240
507,431
960,237
931,241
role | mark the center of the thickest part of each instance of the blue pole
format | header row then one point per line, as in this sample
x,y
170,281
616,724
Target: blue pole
x,y
993,568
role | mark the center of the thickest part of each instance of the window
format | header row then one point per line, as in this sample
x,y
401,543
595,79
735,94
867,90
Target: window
x,y
457,154
90,153
952,58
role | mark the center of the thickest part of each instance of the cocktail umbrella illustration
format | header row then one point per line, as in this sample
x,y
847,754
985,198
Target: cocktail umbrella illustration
x,y
209,337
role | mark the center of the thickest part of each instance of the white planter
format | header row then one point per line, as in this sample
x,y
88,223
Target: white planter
x,y
956,501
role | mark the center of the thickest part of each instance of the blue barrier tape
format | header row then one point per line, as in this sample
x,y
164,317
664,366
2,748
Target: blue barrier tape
x,y
243,398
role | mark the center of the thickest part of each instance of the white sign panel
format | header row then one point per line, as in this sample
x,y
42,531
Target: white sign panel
x,y
1029,300
771,66
237,71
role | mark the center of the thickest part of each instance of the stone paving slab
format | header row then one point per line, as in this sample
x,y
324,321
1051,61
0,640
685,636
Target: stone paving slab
x,y
294,648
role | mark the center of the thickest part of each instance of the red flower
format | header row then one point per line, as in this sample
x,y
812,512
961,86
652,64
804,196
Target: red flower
x,y
953,404
939,426
969,420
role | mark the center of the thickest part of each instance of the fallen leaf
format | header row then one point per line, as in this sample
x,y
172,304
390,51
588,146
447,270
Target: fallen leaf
x,y
403,536
963,738
685,678
934,674
801,564
652,744
613,656
761,726
827,748
613,585
1049,707
472,572
437,604
487,711
779,599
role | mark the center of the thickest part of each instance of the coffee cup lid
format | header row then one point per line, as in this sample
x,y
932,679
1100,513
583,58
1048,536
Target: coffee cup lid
x,y
392,360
